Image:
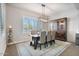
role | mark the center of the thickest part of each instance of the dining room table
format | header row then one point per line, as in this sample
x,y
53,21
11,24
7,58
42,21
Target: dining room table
x,y
35,38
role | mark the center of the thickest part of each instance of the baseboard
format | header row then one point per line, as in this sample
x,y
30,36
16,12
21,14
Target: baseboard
x,y
17,42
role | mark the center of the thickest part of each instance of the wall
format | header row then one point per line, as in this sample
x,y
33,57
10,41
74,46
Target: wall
x,y
72,22
14,18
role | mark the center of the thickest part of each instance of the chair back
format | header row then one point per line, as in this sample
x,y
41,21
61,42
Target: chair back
x,y
53,34
33,32
43,37
49,36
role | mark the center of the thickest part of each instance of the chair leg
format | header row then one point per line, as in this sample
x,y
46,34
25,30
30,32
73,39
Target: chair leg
x,y
50,43
54,41
40,46
30,43
45,45
34,47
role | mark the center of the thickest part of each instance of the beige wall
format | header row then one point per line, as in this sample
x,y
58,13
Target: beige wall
x,y
72,15
14,18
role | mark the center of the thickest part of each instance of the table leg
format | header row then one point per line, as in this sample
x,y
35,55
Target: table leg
x,y
35,44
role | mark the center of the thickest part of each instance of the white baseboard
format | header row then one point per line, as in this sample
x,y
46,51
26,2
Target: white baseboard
x,y
17,42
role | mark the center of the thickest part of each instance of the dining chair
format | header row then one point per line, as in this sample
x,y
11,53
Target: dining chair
x,y
49,38
53,35
33,32
42,40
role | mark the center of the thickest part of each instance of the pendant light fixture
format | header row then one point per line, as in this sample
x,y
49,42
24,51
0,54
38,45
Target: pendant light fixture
x,y
43,17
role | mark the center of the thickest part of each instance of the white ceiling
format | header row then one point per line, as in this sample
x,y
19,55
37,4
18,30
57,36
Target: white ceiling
x,y
77,5
51,8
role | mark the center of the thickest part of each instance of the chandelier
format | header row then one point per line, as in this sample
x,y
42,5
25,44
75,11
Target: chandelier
x,y
43,17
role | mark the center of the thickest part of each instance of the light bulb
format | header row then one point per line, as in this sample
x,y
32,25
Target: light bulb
x,y
10,26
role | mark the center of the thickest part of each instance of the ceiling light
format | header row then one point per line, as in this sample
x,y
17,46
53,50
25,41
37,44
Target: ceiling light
x,y
43,17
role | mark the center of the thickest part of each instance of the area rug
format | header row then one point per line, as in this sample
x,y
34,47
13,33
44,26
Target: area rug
x,y
24,49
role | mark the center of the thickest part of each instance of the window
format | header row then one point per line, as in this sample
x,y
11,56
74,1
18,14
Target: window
x,y
31,23
52,26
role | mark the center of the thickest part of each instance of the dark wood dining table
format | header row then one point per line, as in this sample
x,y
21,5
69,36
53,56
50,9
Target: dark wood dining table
x,y
35,38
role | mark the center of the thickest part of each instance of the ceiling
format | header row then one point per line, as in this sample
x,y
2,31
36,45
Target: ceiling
x,y
77,5
51,8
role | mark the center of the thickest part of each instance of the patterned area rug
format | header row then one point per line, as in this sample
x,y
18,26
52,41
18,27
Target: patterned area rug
x,y
24,49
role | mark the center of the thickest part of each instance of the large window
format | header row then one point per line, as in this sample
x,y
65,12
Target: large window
x,y
31,23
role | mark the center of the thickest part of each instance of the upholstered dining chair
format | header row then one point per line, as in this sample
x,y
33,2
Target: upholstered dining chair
x,y
53,35
42,40
49,38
